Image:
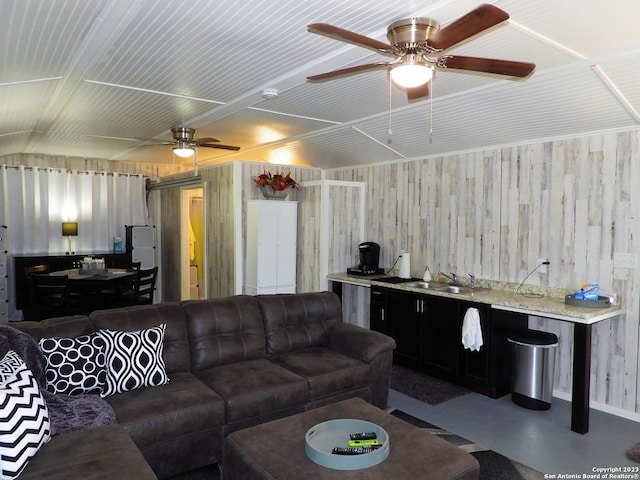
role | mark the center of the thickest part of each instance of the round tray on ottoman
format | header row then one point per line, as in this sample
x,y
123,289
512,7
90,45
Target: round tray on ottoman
x,y
321,439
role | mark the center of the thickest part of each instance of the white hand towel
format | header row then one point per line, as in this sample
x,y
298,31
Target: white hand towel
x,y
471,331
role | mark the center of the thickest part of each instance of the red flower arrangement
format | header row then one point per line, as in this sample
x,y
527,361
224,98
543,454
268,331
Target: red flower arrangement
x,y
277,182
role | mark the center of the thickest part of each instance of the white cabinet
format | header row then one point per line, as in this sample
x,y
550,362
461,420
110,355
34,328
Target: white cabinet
x,y
141,244
271,247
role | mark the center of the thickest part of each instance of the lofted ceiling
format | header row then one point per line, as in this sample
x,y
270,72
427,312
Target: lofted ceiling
x,y
86,78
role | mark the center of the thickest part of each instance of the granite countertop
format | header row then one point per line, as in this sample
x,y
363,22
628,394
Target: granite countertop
x,y
532,300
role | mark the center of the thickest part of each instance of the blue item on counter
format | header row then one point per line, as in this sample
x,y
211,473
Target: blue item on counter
x,y
590,291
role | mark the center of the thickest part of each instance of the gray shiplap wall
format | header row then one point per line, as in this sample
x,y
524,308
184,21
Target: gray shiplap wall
x,y
496,212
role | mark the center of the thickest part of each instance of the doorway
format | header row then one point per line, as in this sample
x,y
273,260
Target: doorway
x,y
192,252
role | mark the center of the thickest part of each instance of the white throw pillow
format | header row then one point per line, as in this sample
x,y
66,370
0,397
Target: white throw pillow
x,y
24,417
74,365
134,359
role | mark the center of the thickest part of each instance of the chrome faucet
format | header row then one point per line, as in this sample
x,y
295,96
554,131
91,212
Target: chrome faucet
x,y
473,280
453,277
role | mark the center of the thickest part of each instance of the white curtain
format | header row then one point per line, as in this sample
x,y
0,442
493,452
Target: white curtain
x,y
35,202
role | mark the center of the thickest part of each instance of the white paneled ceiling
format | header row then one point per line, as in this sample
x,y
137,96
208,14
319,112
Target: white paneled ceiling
x,y
89,78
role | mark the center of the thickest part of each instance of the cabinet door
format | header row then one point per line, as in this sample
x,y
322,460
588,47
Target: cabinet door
x,y
286,244
271,247
266,237
441,336
474,365
405,322
378,310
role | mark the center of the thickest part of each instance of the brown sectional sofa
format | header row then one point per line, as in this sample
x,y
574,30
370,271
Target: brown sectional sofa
x,y
233,363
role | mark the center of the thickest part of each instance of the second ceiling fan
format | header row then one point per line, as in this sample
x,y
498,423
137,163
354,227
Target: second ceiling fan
x,y
417,45
184,143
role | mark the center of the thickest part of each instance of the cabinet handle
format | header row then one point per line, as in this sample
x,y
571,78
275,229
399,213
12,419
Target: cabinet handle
x,y
382,314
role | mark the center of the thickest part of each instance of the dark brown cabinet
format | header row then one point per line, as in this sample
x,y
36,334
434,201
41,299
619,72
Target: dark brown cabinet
x,y
428,333
441,336
406,319
475,364
488,371
378,309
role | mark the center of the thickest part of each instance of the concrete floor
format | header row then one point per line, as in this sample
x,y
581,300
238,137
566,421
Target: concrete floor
x,y
541,440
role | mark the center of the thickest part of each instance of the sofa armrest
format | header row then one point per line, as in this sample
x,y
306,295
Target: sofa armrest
x,y
357,342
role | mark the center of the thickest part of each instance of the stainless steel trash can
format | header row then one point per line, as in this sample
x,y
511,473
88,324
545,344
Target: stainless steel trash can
x,y
533,355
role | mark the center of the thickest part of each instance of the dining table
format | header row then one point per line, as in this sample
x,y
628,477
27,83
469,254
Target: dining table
x,y
94,285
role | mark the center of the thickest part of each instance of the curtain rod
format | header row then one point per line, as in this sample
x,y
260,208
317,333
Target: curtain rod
x,y
178,182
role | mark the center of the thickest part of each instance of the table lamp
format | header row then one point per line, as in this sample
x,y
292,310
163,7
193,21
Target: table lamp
x,y
69,229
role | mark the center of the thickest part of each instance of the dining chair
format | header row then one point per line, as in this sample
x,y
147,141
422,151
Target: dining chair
x,y
29,310
144,286
53,297
141,293
125,286
35,269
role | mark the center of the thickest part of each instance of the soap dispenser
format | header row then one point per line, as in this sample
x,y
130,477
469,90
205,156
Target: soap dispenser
x,y
427,274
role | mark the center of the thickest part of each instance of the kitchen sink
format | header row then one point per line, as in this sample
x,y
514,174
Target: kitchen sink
x,y
459,289
417,284
439,287
454,289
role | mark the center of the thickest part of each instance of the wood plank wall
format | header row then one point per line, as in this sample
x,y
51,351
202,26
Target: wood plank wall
x,y
169,232
220,238
496,212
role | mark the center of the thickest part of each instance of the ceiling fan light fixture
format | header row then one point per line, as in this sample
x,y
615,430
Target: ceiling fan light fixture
x,y
183,150
411,74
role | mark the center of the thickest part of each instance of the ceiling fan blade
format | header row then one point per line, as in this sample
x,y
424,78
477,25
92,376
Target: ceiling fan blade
x,y
218,145
343,35
347,71
153,141
418,92
474,22
206,140
489,65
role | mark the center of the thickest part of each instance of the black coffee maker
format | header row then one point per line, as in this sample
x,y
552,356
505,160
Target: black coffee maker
x,y
368,261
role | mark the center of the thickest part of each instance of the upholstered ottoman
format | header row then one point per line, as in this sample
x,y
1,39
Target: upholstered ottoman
x,y
276,450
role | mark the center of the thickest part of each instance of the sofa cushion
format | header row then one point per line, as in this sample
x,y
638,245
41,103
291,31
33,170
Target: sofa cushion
x,y
24,417
224,331
176,343
293,322
255,387
134,359
74,365
179,408
102,453
327,372
70,326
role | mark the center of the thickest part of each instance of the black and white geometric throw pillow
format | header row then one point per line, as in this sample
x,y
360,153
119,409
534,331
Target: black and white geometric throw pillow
x,y
74,365
9,364
134,359
24,417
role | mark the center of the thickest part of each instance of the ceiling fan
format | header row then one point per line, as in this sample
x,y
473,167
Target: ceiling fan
x,y
185,143
417,45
